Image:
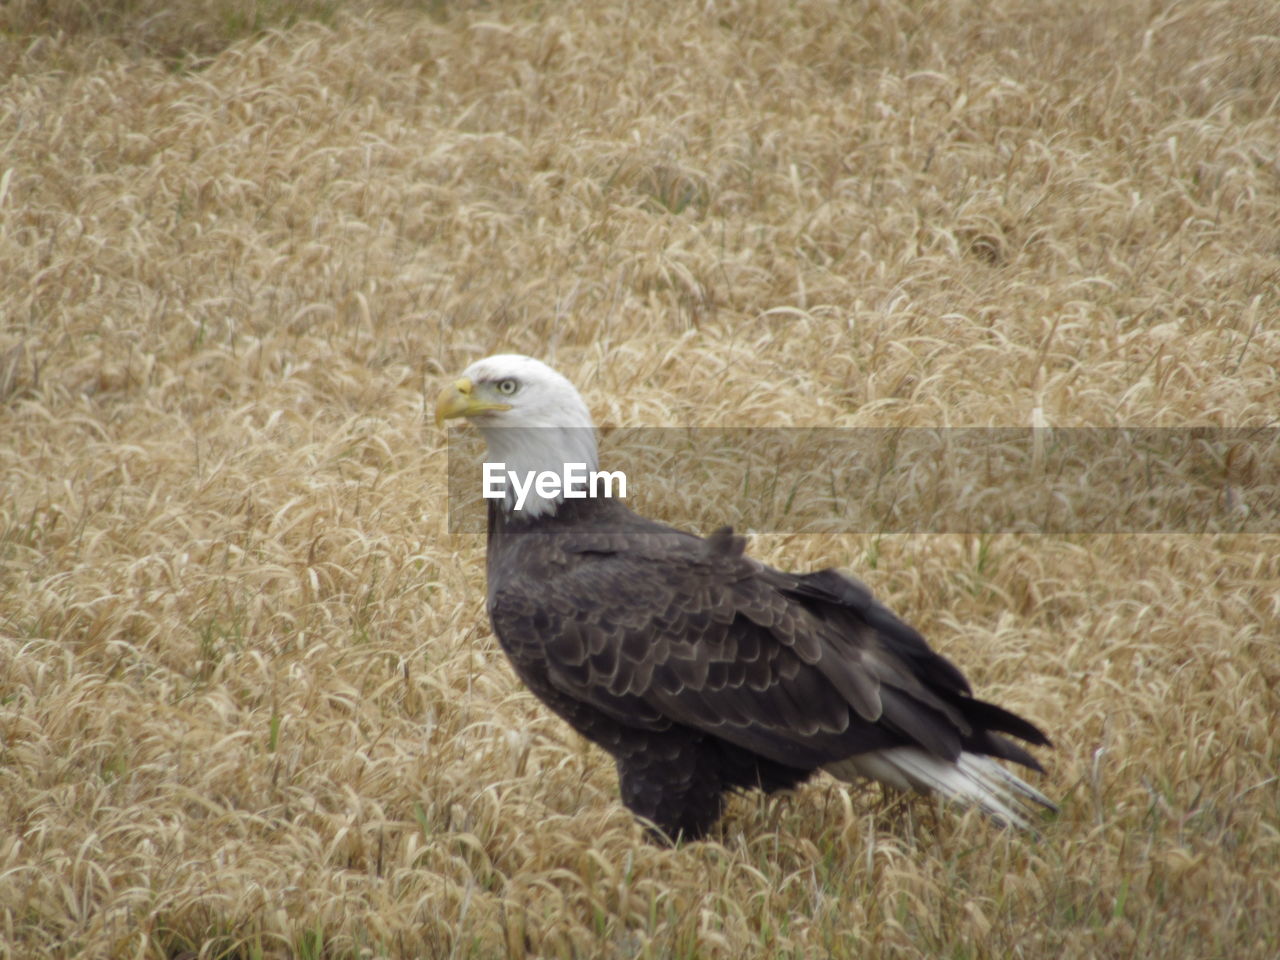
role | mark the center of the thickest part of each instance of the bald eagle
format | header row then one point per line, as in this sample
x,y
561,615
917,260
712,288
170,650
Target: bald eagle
x,y
701,670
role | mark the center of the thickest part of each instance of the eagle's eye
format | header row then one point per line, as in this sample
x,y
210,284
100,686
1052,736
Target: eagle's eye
x,y
507,387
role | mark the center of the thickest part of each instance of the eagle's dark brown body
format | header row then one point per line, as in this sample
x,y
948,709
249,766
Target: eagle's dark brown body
x,y
703,671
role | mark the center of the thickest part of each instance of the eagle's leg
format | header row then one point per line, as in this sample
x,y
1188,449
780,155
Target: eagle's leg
x,y
673,781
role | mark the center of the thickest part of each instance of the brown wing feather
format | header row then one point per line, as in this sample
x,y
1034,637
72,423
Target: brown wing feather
x,y
652,627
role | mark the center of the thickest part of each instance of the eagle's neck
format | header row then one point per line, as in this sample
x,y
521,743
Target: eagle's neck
x,y
530,451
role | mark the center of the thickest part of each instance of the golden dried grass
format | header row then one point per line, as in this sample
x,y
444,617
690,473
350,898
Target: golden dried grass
x,y
250,706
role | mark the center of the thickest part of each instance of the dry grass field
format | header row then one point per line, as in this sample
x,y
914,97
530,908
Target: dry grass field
x,y
249,702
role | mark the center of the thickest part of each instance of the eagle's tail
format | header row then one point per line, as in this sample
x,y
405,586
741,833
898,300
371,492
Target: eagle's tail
x,y
972,779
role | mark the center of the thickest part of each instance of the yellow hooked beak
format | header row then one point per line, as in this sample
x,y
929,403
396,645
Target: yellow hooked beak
x,y
461,399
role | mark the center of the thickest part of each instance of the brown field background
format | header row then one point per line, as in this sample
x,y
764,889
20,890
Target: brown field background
x,y
249,702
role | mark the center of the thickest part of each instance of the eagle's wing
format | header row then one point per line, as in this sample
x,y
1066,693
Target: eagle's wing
x,y
657,628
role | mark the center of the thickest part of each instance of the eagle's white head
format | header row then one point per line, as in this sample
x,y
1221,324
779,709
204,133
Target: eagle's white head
x,y
532,419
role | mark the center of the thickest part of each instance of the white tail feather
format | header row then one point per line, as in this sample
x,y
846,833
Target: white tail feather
x,y
972,779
